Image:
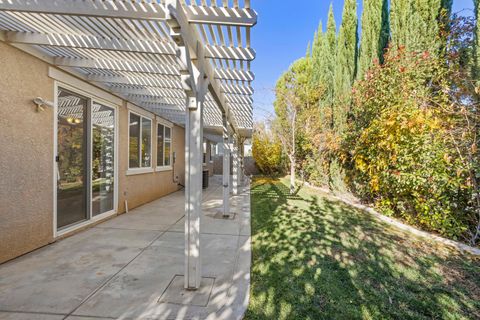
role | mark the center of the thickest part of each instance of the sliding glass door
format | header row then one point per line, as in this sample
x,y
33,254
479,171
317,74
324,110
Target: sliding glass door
x,y
85,159
103,160
72,192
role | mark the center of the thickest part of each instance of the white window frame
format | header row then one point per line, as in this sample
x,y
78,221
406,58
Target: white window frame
x,y
205,153
212,151
140,169
169,167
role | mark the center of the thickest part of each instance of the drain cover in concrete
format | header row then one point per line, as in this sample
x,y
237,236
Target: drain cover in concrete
x,y
176,293
219,215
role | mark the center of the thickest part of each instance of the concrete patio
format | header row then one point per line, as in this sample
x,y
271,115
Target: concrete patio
x,y
132,266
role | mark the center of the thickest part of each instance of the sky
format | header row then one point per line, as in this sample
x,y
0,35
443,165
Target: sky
x,y
281,36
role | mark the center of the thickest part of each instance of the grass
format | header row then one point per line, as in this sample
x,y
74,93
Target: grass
x,y
318,258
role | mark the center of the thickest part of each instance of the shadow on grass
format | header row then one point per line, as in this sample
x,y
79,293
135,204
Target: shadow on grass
x,y
316,258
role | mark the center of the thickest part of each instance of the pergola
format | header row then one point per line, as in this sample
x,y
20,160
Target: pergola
x,y
184,60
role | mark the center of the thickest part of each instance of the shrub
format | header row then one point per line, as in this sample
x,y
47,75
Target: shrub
x,y
267,151
408,145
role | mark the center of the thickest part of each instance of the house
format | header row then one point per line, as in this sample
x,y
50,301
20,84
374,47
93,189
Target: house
x,y
108,105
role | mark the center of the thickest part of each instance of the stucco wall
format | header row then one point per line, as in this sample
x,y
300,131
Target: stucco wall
x,y
26,156
208,159
143,188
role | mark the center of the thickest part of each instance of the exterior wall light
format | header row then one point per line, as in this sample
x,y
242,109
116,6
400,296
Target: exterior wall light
x,y
42,103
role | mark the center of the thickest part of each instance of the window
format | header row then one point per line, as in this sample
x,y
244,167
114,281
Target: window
x,y
140,142
213,149
204,152
164,146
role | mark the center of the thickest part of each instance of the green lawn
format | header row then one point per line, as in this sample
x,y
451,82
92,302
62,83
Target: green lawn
x,y
317,258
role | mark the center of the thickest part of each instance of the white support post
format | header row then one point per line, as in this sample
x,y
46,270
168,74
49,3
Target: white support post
x,y
242,163
236,165
195,85
193,192
226,167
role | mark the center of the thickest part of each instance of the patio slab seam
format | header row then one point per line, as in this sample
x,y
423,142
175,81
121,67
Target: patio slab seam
x,y
106,282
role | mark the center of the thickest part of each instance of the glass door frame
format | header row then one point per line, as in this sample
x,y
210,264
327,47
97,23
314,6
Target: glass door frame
x,y
90,217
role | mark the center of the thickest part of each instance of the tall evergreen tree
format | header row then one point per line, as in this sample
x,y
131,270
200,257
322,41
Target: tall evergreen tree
x,y
417,25
346,64
400,13
476,49
316,54
375,34
345,73
328,54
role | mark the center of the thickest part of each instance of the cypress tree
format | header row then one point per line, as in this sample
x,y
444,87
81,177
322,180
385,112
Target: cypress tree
x,y
375,34
418,24
346,64
476,48
316,54
327,54
345,72
400,12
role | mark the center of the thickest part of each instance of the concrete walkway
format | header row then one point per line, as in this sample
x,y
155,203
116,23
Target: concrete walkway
x,y
131,267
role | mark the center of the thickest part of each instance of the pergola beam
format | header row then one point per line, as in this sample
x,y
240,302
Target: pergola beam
x,y
145,85
161,84
167,93
153,68
190,35
151,10
158,98
117,65
91,42
90,8
149,80
162,107
163,47
145,80
122,46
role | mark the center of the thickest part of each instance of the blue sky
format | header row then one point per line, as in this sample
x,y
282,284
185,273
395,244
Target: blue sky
x,y
281,36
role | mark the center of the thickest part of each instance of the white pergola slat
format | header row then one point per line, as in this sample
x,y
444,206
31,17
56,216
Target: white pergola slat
x,y
221,16
91,42
91,8
137,10
117,65
187,61
231,74
163,46
229,53
237,89
45,33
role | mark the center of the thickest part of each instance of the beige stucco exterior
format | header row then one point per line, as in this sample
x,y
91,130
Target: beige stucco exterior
x,y
26,157
139,189
208,165
26,154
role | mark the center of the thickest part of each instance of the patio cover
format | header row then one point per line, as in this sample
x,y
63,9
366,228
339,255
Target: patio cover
x,y
130,48
184,60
